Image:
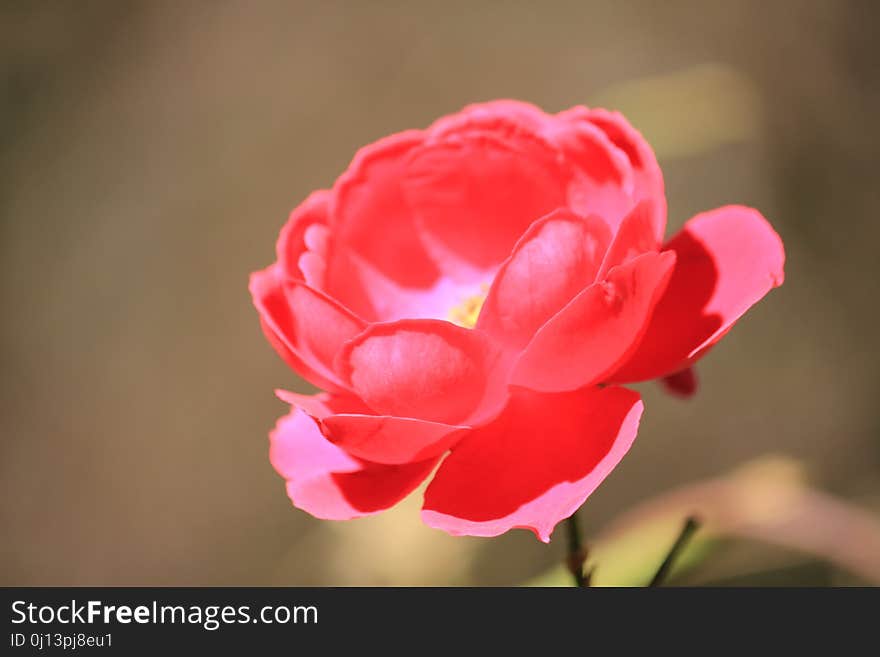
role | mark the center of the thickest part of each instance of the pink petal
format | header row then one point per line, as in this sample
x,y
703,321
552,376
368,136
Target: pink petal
x,y
530,117
647,176
370,215
634,236
282,348
727,260
291,245
321,326
392,440
322,404
553,261
597,330
306,327
425,369
535,464
602,181
476,186
326,482
308,251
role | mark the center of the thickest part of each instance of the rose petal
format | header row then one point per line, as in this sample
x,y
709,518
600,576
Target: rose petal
x,y
727,260
602,182
681,384
597,330
323,404
392,440
306,327
292,360
321,325
291,245
556,258
328,483
370,214
268,297
530,117
425,369
477,187
535,464
634,236
647,176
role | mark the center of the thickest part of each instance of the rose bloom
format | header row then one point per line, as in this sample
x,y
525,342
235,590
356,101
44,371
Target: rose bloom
x,y
470,298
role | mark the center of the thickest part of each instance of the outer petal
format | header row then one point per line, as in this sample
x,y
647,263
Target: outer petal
x,y
727,260
425,369
308,251
535,464
393,440
323,404
346,422
311,214
282,348
553,261
530,117
602,182
326,482
371,216
647,176
597,330
634,236
305,326
477,186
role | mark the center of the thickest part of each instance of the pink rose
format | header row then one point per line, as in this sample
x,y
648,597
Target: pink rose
x,y
471,295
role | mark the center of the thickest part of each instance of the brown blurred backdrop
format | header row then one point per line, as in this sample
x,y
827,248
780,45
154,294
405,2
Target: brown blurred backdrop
x,y
150,152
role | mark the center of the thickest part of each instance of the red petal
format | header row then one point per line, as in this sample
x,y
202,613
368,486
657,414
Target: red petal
x,y
634,237
392,440
477,186
282,348
322,404
306,327
328,483
530,117
681,384
553,261
322,326
309,251
727,260
602,182
291,245
371,216
535,464
597,330
647,176
425,369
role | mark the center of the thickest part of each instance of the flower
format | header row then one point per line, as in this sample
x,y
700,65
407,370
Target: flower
x,y
471,296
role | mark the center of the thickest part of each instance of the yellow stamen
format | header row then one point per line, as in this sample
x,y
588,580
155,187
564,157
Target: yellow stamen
x,y
466,313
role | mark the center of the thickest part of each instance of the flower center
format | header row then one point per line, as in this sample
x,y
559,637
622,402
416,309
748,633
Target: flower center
x,y
467,311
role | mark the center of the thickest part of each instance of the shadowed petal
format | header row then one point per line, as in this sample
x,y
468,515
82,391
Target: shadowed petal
x,y
328,483
727,260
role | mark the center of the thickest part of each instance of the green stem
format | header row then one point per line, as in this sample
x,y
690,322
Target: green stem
x,y
577,555
690,526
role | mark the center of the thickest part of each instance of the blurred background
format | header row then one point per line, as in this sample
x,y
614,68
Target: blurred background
x,y
150,152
